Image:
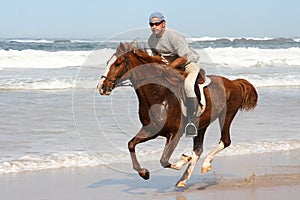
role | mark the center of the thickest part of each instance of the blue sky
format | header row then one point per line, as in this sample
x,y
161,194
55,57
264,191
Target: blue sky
x,y
102,19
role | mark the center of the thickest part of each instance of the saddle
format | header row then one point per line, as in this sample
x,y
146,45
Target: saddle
x,y
201,77
174,78
201,82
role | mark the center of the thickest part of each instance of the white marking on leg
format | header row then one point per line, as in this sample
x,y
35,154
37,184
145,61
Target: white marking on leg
x,y
211,155
202,100
202,96
184,159
188,172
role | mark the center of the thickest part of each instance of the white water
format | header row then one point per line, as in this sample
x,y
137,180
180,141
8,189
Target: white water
x,y
262,67
84,159
224,57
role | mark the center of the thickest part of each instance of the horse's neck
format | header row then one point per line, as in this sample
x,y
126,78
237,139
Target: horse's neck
x,y
155,83
145,58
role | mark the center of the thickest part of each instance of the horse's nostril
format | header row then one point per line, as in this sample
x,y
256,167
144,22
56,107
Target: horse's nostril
x,y
105,90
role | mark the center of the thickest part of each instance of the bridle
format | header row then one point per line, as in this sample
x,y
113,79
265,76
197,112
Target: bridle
x,y
132,83
116,81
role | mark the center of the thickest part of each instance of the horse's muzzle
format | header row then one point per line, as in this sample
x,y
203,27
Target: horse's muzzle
x,y
104,90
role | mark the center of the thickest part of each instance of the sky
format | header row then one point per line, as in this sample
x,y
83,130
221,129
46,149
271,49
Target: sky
x,y
103,19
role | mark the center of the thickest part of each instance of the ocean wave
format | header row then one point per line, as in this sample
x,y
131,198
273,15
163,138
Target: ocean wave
x,y
210,39
197,42
44,59
262,43
262,67
53,161
243,39
85,159
65,83
261,147
191,39
52,45
37,84
50,41
297,39
30,41
253,57
224,57
275,80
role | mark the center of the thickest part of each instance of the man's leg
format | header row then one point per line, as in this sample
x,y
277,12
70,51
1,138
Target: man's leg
x,y
192,101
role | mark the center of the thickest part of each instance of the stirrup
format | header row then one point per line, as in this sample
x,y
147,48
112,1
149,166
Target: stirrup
x,y
191,130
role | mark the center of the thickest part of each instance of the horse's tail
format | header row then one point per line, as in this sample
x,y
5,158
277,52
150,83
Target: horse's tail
x,y
249,94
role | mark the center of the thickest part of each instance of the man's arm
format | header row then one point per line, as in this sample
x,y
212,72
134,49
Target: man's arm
x,y
178,62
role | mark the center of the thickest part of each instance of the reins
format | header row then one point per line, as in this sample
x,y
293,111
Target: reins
x,y
126,68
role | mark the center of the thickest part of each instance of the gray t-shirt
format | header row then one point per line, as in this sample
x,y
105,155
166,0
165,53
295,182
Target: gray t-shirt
x,y
172,43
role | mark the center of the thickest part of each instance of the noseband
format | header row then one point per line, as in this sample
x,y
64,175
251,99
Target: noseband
x,y
115,82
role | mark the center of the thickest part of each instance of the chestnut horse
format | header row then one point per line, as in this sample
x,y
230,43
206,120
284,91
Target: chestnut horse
x,y
159,89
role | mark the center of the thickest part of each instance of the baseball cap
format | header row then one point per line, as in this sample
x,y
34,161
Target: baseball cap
x,y
158,15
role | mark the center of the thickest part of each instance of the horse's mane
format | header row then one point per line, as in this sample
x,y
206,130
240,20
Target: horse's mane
x,y
172,78
142,53
158,63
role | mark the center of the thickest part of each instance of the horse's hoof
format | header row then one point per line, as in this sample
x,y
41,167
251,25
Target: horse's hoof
x,y
144,173
206,169
165,164
181,184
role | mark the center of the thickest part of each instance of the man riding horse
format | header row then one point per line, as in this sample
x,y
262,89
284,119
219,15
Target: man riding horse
x,y
160,112
172,45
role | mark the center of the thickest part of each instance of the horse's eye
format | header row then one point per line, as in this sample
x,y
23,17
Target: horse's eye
x,y
117,64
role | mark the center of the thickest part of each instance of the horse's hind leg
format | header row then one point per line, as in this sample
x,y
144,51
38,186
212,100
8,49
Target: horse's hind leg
x,y
198,149
142,136
225,122
206,166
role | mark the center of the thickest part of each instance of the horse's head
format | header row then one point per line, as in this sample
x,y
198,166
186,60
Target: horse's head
x,y
127,56
117,66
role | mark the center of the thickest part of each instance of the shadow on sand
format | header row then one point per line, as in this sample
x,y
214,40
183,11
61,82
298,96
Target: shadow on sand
x,y
133,184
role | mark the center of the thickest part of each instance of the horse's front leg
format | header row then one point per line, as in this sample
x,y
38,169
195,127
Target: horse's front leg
x,y
170,146
198,149
142,136
171,143
184,159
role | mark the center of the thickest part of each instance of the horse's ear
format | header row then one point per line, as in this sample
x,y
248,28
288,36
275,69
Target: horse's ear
x,y
137,44
122,46
121,49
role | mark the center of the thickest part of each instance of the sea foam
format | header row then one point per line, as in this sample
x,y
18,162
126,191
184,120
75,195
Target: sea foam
x,y
92,159
262,67
223,57
253,57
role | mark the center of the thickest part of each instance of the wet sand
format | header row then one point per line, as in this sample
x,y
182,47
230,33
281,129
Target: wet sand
x,y
262,176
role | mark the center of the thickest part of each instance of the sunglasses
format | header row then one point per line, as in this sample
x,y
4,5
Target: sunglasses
x,y
155,23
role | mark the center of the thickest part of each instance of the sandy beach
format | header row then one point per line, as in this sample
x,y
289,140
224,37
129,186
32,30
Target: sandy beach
x,y
261,176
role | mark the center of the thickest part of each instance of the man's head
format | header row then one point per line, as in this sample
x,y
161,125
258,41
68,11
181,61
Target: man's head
x,y
157,23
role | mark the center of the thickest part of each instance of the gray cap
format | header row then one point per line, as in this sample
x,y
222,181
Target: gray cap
x,y
156,15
